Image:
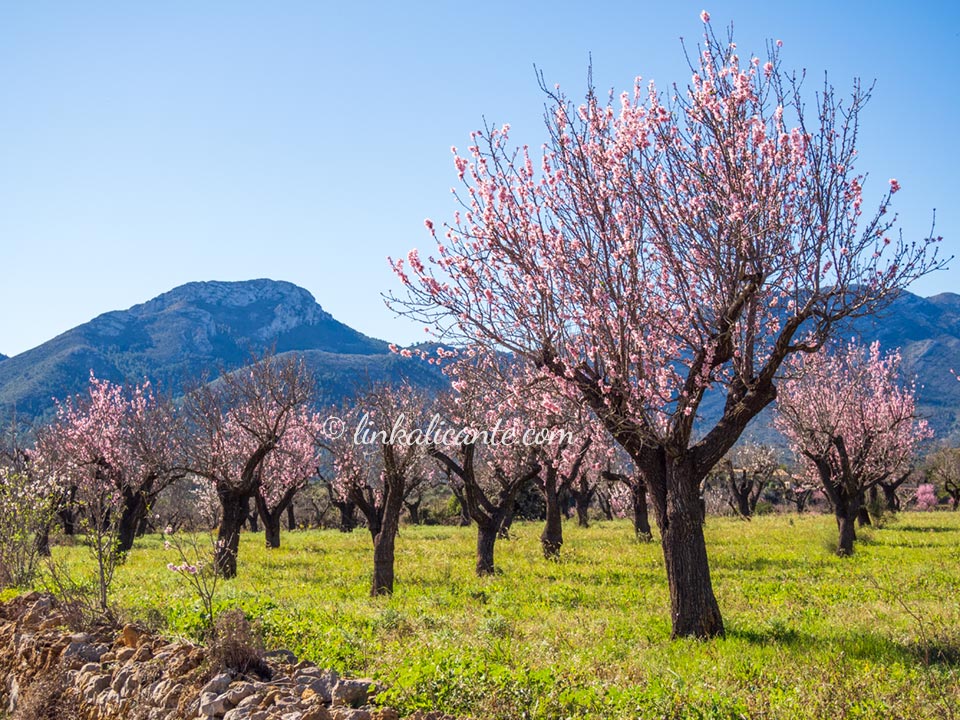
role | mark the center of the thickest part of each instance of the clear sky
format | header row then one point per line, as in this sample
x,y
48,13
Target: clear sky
x,y
145,145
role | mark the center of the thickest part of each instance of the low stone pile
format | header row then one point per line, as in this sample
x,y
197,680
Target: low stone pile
x,y
135,675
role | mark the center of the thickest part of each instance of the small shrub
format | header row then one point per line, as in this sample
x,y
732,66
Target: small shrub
x,y
235,645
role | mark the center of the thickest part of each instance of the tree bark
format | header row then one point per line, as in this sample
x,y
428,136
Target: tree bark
x,y
43,540
694,608
134,511
291,518
271,531
641,515
552,537
234,507
384,541
348,516
503,532
486,541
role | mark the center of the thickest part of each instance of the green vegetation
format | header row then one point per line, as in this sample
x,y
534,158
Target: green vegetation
x,y
808,634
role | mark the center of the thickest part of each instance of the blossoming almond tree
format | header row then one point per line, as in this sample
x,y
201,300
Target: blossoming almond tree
x,y
486,476
664,246
853,423
115,450
286,471
236,424
378,461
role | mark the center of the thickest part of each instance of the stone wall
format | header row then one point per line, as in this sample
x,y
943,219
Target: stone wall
x,y
135,675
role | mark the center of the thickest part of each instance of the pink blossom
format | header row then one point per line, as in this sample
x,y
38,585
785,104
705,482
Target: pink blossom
x,y
704,16
894,186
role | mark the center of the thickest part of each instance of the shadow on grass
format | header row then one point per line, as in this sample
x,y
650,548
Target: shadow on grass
x,y
938,651
924,528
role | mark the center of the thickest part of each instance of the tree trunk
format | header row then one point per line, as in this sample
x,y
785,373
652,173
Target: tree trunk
x,y
134,511
348,516
69,520
250,516
486,539
890,496
641,516
863,516
503,532
413,509
43,540
694,611
234,508
271,529
583,518
291,518
143,526
552,537
846,512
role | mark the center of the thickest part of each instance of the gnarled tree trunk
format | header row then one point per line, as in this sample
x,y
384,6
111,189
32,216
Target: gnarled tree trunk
x,y
234,507
694,610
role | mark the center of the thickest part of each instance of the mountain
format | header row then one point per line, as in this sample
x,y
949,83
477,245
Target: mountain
x,y
3,357
200,328
194,331
927,331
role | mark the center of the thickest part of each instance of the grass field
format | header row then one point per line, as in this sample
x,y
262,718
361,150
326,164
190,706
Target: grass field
x,y
809,635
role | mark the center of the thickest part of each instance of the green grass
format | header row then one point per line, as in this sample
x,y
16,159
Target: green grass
x,y
809,635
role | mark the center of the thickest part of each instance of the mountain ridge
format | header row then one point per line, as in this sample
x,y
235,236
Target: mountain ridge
x,y
201,328
191,331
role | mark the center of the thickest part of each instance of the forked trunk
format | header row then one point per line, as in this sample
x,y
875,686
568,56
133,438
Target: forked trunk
x,y
890,496
234,508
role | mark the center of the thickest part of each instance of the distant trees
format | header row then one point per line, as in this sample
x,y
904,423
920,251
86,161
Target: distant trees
x,y
853,423
487,471
113,450
943,469
663,247
747,471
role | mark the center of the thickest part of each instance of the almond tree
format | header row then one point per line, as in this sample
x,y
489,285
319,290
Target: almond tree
x,y
748,470
664,246
379,459
853,423
486,471
236,424
114,451
943,468
286,471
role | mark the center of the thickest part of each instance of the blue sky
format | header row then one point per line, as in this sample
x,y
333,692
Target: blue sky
x,y
145,145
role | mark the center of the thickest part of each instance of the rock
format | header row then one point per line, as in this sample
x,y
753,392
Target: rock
x,y
239,692
385,714
345,713
125,654
131,635
83,651
318,712
319,682
217,685
143,654
352,693
212,704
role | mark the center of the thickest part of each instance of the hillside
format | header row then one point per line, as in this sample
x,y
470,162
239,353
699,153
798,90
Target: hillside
x,y
199,328
196,330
